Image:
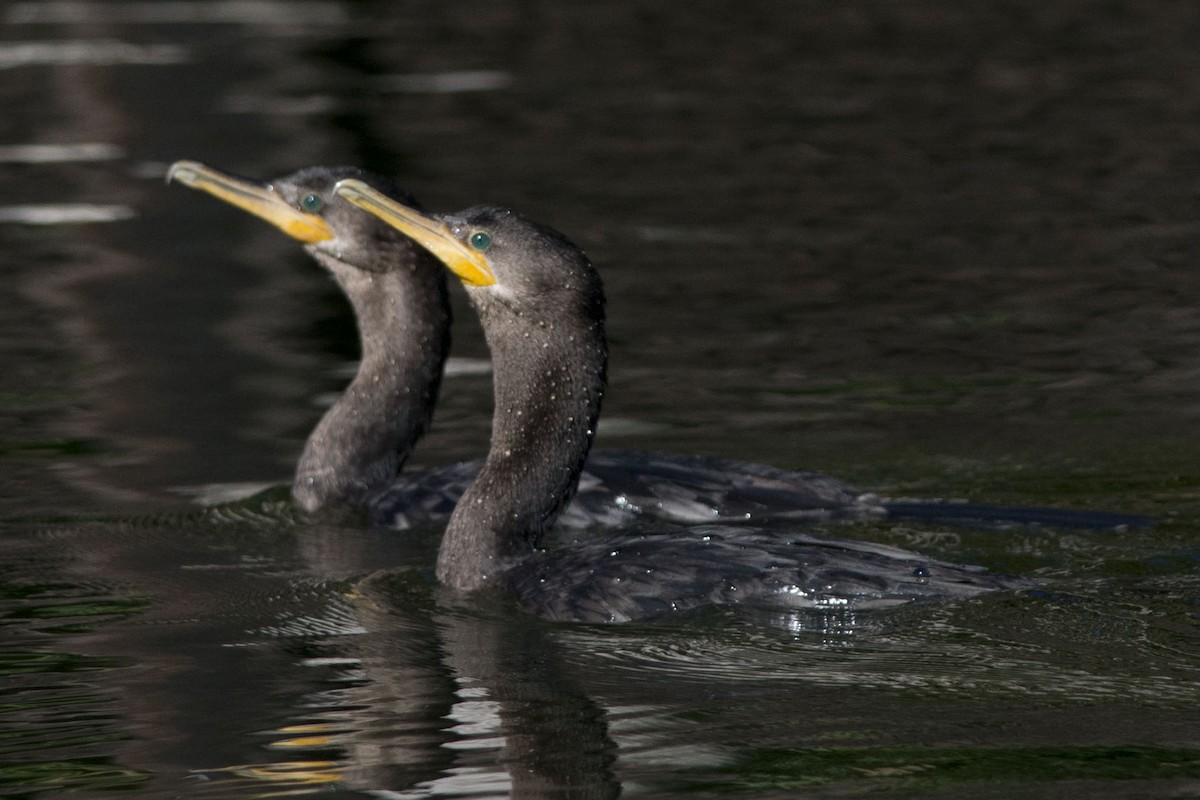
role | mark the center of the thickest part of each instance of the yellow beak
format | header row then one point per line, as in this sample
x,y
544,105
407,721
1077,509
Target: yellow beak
x,y
471,266
259,199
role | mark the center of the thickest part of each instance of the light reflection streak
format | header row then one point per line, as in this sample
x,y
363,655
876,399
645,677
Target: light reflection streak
x,y
289,106
64,214
246,12
95,52
287,773
446,82
59,153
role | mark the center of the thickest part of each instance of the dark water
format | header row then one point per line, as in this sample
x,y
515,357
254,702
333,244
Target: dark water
x,y
940,250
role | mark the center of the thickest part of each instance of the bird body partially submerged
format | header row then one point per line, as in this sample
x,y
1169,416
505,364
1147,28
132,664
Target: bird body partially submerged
x,y
629,578
541,306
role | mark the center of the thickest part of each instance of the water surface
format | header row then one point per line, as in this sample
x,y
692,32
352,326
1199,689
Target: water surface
x,y
937,251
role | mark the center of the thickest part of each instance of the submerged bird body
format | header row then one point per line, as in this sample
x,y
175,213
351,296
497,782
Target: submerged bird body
x,y
628,488
541,307
635,577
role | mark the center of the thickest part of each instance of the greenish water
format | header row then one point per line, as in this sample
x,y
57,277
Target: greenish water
x,y
937,251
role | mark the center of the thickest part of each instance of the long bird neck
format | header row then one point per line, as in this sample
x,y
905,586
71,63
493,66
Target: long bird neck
x,y
364,438
547,385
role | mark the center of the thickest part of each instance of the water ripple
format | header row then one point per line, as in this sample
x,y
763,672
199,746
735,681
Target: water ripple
x,y
966,650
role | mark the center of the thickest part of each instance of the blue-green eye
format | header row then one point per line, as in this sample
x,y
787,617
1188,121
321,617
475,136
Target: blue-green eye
x,y
480,240
312,203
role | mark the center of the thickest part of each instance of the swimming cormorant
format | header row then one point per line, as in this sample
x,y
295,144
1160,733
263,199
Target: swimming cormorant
x,y
541,305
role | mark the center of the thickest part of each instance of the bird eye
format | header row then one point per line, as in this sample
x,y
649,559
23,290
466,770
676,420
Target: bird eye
x,y
312,203
480,240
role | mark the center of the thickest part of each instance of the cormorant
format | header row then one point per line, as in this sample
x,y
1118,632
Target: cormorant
x,y
541,305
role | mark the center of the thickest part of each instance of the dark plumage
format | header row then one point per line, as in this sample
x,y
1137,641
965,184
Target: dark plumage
x,y
541,307
633,577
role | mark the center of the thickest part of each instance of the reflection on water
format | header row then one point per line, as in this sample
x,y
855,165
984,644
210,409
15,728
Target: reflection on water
x,y
264,13
229,653
50,153
66,214
938,251
101,52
